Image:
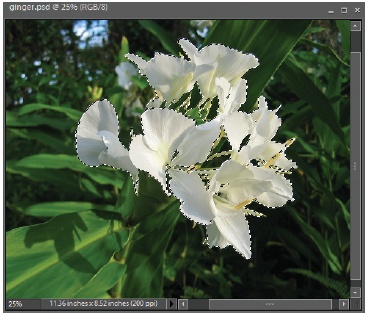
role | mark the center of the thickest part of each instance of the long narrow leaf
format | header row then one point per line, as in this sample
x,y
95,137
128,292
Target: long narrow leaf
x,y
301,84
69,112
344,28
166,38
325,48
144,259
338,286
57,258
53,209
12,120
63,161
104,280
318,240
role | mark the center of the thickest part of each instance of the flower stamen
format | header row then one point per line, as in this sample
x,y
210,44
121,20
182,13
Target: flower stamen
x,y
243,204
276,156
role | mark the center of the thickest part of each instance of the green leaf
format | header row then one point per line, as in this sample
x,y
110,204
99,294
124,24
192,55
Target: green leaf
x,y
295,244
57,258
89,186
102,176
311,173
195,293
55,141
57,178
196,114
342,177
302,85
106,176
166,38
344,28
319,241
329,142
45,80
145,254
304,144
151,188
333,89
115,90
345,211
103,281
141,82
234,33
339,287
334,254
295,120
324,48
270,41
52,209
70,112
136,208
317,29
51,161
12,120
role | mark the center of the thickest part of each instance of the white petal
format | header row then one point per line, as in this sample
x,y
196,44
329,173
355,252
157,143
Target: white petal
x,y
206,83
197,144
283,163
146,159
243,156
116,154
230,97
140,62
202,70
125,71
281,190
214,237
195,199
272,148
99,116
164,129
245,189
257,144
235,64
231,170
230,63
171,76
235,231
222,86
236,184
237,95
267,120
237,126
188,48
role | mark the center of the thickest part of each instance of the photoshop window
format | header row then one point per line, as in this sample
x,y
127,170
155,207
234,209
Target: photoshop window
x,y
184,157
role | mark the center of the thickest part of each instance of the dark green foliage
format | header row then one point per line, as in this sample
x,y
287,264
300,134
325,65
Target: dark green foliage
x,y
298,251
